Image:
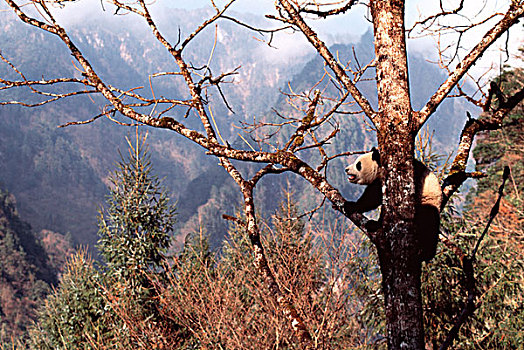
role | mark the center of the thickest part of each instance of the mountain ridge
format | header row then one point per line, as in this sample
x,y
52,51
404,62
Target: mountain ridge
x,y
60,175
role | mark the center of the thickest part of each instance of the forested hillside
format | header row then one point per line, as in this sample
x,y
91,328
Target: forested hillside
x,y
30,266
128,136
60,175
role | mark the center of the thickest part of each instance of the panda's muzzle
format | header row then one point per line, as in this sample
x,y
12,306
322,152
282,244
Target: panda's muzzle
x,y
352,177
351,174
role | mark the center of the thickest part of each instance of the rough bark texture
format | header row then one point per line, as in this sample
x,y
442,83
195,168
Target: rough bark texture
x,y
399,264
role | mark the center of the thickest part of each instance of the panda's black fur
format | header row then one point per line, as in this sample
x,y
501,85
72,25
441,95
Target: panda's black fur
x,y
366,171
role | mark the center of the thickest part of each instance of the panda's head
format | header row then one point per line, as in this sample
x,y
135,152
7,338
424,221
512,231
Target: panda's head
x,y
365,169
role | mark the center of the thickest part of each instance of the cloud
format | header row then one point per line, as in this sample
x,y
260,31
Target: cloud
x,y
286,46
79,12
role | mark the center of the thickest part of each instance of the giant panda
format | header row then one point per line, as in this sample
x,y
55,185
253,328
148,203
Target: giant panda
x,y
366,171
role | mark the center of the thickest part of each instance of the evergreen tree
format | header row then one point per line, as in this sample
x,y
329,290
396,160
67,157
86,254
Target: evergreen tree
x,y
75,315
135,233
135,229
115,306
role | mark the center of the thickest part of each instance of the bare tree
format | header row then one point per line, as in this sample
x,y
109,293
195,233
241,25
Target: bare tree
x,y
395,122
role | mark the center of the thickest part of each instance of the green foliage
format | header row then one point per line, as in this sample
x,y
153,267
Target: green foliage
x,y
134,236
502,147
135,230
364,284
75,315
499,267
115,306
499,148
333,282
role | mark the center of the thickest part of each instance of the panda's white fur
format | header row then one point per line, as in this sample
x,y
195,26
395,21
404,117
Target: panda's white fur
x,y
431,193
366,171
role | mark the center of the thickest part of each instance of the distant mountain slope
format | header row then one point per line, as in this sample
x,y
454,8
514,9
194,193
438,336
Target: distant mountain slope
x,y
26,273
354,135
59,175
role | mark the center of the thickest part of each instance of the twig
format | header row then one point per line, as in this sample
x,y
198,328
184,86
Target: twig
x,y
494,211
489,120
297,139
326,54
469,273
512,16
324,14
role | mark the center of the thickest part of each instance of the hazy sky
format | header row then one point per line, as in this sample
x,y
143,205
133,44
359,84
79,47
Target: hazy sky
x,y
348,27
355,24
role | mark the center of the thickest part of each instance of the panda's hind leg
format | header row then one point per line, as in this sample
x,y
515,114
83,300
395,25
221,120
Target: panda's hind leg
x,y
427,226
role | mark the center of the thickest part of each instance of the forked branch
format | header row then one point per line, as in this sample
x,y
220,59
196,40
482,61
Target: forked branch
x,y
322,49
514,13
491,119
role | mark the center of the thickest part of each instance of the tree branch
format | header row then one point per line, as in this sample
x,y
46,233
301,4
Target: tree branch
x,y
516,11
194,89
489,120
324,14
494,211
469,273
205,24
260,260
322,49
297,139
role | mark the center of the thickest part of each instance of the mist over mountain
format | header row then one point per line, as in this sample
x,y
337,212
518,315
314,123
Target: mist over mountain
x,y
59,176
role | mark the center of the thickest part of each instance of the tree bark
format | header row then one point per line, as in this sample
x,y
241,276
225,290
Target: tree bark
x,y
399,264
395,121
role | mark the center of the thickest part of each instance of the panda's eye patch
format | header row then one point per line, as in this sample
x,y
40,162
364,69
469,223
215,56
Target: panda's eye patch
x,y
359,166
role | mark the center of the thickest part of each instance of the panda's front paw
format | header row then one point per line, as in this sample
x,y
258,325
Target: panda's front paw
x,y
372,226
349,208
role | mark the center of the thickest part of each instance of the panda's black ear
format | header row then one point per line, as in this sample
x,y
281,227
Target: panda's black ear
x,y
375,155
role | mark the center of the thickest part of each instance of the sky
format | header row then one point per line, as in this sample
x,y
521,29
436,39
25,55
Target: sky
x,y
347,28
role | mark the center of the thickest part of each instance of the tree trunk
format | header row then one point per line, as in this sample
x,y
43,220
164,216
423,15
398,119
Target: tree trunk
x,y
403,303
400,266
